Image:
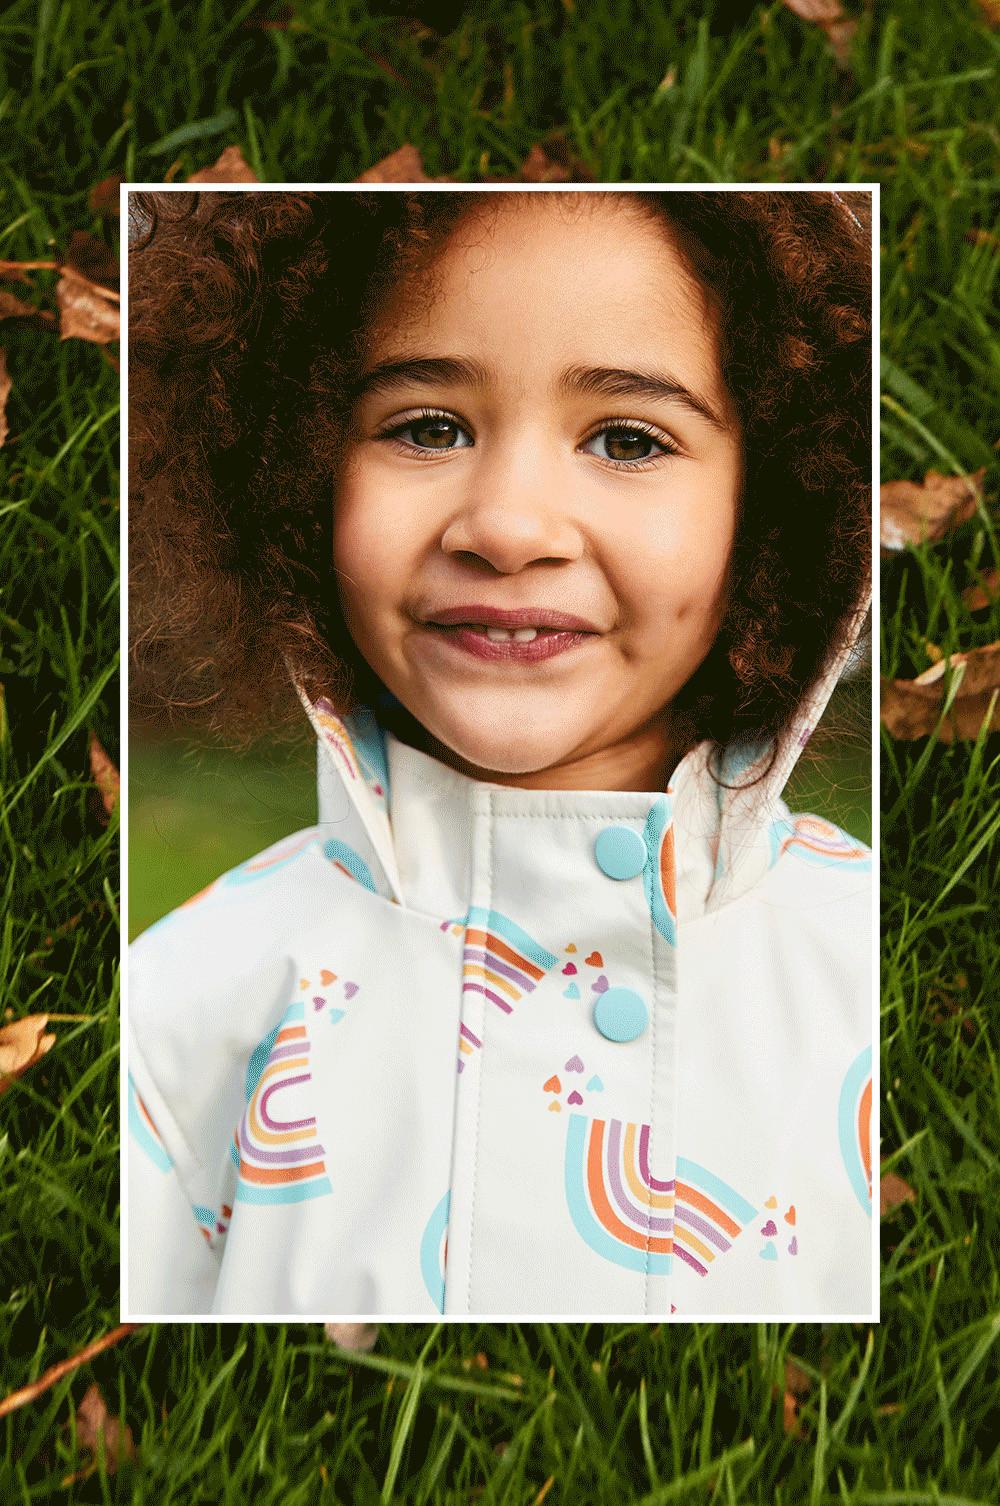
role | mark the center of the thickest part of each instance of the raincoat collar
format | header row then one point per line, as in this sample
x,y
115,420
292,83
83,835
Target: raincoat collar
x,y
725,839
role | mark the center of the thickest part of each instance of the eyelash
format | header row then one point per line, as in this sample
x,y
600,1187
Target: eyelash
x,y
638,426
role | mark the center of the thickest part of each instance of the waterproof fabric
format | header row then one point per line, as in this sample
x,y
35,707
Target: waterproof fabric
x,y
476,1050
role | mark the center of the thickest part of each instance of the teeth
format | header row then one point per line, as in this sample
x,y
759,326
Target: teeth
x,y
505,635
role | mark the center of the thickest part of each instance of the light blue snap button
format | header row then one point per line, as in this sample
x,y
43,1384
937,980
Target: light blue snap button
x,y
620,852
620,1014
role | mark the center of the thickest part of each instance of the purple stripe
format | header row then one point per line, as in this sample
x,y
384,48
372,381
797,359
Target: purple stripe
x,y
496,966
283,1124
278,1157
297,1048
647,1175
630,1209
686,1255
477,988
703,1226
469,1035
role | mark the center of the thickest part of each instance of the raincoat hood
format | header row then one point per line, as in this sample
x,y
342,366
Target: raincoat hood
x,y
724,830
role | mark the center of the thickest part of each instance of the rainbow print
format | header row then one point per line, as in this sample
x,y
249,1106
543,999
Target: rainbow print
x,y
818,841
708,1215
357,742
499,960
268,862
659,876
144,1131
349,862
620,1208
279,1159
854,1126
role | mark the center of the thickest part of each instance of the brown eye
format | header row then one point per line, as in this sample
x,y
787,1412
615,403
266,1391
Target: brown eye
x,y
628,444
434,433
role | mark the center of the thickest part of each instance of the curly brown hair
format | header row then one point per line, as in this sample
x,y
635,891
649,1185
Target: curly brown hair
x,y
246,311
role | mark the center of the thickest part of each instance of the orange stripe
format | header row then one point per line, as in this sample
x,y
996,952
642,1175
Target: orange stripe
x,y
284,1174
667,877
290,1033
699,1200
865,1131
501,949
605,1213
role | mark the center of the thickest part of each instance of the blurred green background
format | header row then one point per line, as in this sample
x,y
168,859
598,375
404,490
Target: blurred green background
x,y
195,812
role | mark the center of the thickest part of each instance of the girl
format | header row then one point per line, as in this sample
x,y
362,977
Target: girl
x,y
552,512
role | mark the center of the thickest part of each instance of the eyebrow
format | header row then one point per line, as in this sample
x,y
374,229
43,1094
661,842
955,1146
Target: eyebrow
x,y
599,381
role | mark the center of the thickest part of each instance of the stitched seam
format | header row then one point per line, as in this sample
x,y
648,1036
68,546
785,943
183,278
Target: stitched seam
x,y
652,1093
481,1074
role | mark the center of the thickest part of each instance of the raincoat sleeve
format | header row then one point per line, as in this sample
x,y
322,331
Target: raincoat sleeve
x,y
171,1265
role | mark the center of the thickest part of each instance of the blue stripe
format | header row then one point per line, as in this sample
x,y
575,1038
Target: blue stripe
x,y
430,1252
492,920
847,1132
730,1199
295,1192
140,1132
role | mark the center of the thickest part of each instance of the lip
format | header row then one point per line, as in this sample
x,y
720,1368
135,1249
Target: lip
x,y
464,640
486,616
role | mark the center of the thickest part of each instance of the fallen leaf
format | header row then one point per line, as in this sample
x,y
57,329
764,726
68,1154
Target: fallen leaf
x,y
22,1043
359,1336
990,11
87,310
104,774
93,1422
913,512
984,593
539,167
103,197
12,307
796,1379
828,14
231,167
405,165
911,708
893,1192
93,259
5,386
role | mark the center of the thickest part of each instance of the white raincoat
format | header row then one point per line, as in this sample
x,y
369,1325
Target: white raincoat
x,y
469,1049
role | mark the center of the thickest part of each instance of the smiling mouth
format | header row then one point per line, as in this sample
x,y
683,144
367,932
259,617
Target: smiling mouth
x,y
523,645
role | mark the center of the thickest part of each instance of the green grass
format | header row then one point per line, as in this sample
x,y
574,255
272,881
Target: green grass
x,y
904,1412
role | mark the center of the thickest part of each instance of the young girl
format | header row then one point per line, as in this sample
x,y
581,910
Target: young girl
x,y
552,511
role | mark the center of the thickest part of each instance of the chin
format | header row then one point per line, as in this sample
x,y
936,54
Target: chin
x,y
495,755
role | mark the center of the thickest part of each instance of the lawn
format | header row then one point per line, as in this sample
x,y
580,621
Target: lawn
x,y
901,1412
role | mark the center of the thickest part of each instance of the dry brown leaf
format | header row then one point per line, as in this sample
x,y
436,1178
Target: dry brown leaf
x,y
93,259
5,386
231,167
913,512
539,167
893,1193
93,1421
911,708
405,165
103,197
990,11
829,14
984,593
87,310
22,1043
12,307
104,774
360,1336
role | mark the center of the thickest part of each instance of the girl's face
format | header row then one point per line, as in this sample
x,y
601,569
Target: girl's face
x,y
543,428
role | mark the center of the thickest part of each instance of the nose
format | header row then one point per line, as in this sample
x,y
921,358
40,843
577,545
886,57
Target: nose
x,y
516,508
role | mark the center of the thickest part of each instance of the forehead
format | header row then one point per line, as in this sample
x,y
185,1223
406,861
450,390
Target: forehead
x,y
546,276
